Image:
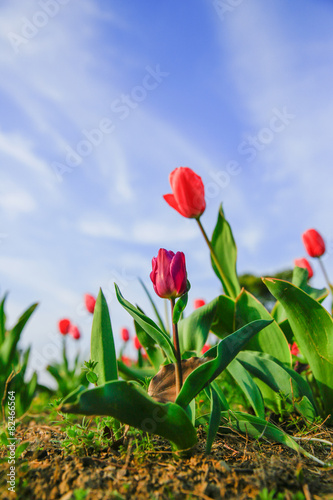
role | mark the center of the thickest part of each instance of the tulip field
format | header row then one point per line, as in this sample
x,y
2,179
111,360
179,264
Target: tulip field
x,y
232,400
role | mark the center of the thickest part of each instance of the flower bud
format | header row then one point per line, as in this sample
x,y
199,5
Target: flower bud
x,y
314,243
64,326
137,344
199,303
125,334
169,275
305,264
74,332
90,302
188,193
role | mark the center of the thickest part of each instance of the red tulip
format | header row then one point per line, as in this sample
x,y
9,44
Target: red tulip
x,y
64,326
305,264
188,196
294,349
125,334
199,303
90,302
169,275
126,360
75,332
314,243
137,344
205,348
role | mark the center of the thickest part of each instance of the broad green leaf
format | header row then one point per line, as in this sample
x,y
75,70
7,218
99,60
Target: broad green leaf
x,y
158,316
179,307
281,379
257,428
102,347
7,351
193,330
154,353
299,279
214,419
223,401
132,406
224,321
248,386
149,326
271,339
313,329
225,250
225,352
135,373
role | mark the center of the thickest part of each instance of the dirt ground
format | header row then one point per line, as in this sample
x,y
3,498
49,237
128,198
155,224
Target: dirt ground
x,y
237,468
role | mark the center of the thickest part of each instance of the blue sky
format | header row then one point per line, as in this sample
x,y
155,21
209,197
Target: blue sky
x,y
238,91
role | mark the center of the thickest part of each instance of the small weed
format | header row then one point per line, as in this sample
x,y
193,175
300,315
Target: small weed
x,y
272,495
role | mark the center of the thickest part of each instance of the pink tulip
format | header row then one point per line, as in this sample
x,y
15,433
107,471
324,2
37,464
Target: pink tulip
x,y
294,349
305,264
314,243
188,193
75,332
205,348
169,275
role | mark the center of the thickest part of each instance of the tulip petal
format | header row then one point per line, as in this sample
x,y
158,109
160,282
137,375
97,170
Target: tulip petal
x,y
189,192
170,199
178,272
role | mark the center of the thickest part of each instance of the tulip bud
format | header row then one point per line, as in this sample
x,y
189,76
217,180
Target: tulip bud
x,y
137,344
199,303
90,302
205,348
125,334
64,326
169,275
74,332
305,264
294,349
188,193
314,243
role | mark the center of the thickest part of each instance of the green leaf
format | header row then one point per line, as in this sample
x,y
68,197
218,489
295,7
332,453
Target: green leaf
x,y
160,337
135,373
299,279
257,428
2,319
193,330
225,352
214,419
7,352
224,321
271,339
225,249
102,347
158,316
154,353
313,329
179,307
134,407
248,386
281,379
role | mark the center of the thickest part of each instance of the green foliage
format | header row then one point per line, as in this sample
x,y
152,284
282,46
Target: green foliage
x,y
13,362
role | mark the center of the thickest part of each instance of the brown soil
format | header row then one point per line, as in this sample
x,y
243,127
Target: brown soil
x,y
237,468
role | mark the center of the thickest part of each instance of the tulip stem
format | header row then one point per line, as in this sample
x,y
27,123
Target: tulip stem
x,y
178,365
215,259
